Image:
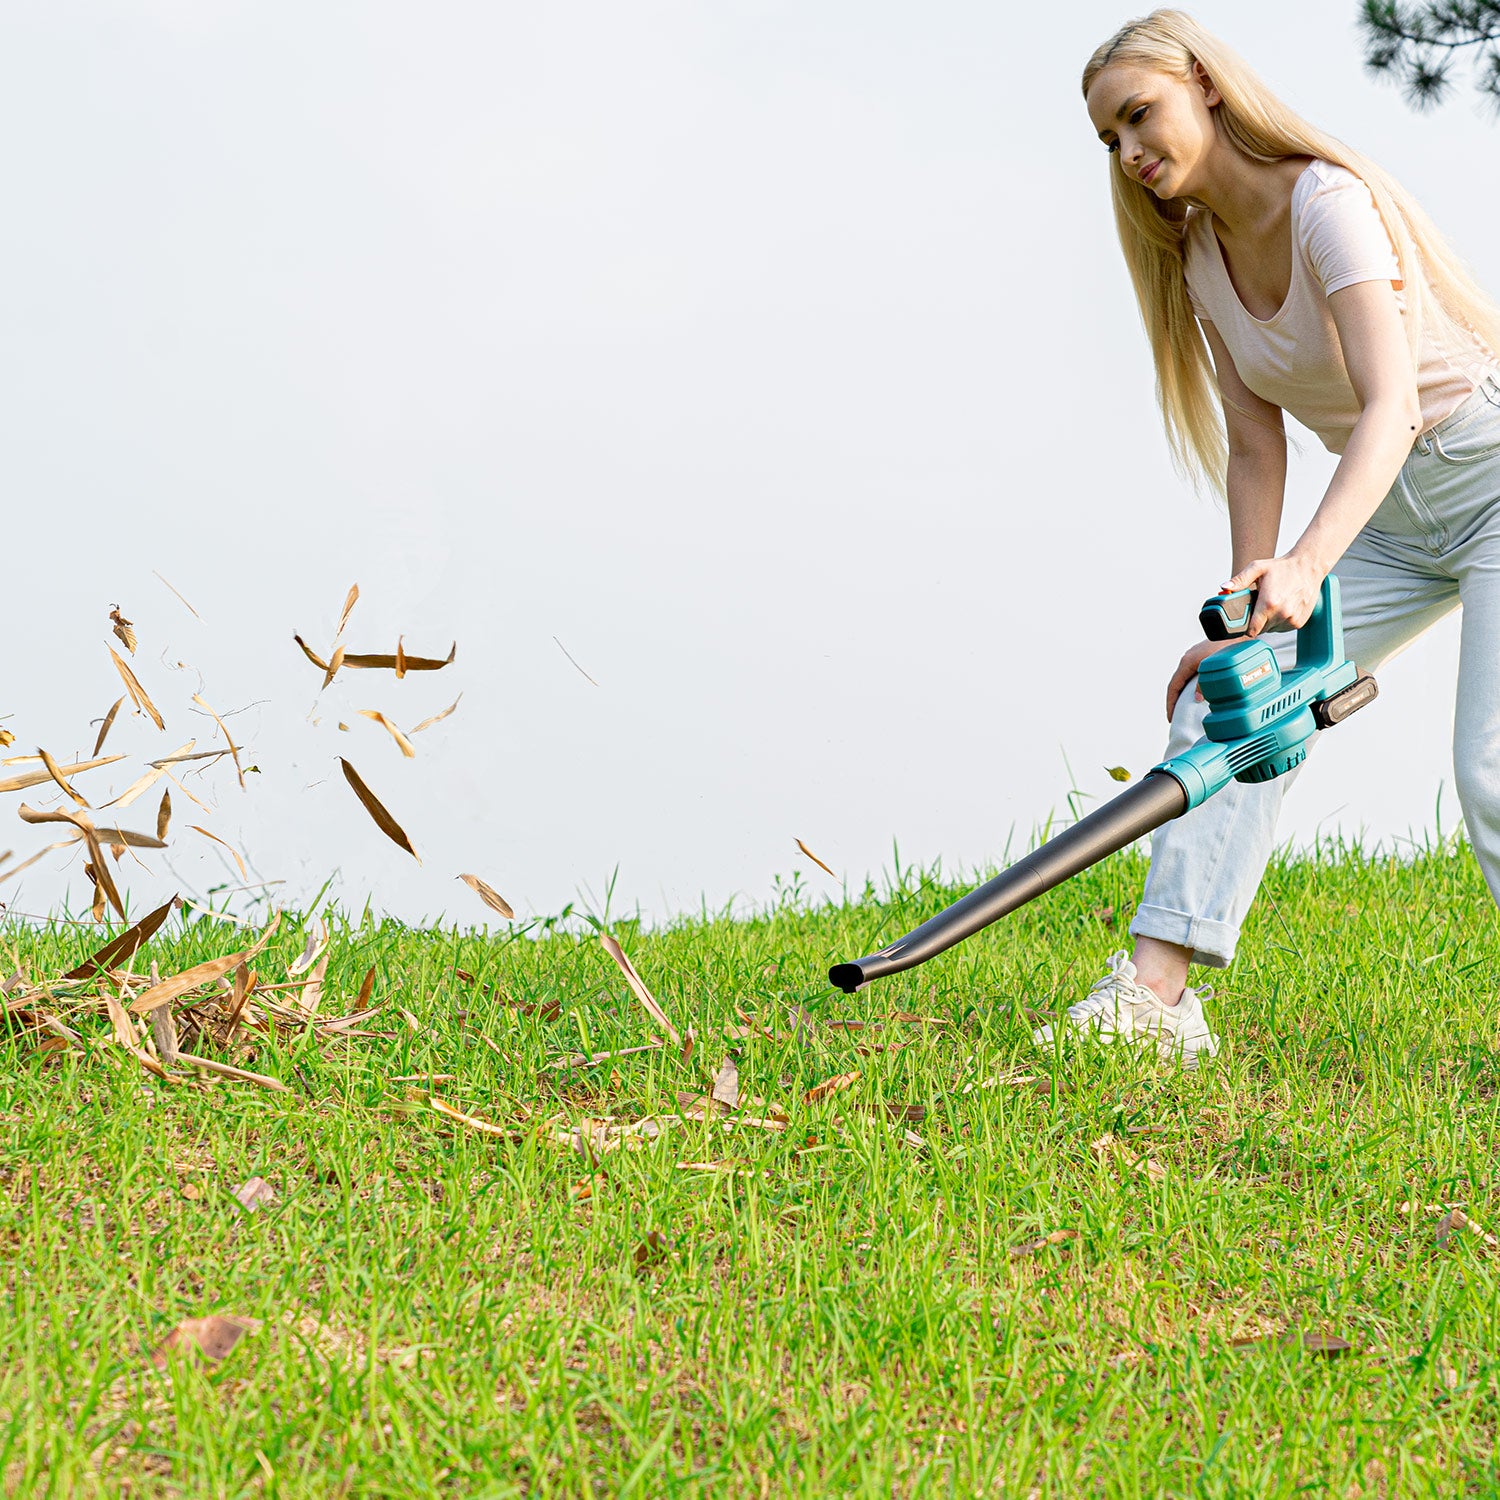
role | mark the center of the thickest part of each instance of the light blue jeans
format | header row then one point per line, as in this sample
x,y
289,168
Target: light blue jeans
x,y
1433,544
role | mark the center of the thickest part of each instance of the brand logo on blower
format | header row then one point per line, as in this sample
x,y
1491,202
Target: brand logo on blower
x,y
1263,670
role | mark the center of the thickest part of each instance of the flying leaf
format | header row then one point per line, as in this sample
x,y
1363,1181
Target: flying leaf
x,y
7,738
491,898
123,629
400,657
372,660
109,720
56,773
570,657
80,820
428,723
244,873
136,691
228,739
190,608
1118,772
383,820
164,815
334,663
144,783
24,779
128,838
406,745
638,987
311,655
813,857
26,864
349,602
124,947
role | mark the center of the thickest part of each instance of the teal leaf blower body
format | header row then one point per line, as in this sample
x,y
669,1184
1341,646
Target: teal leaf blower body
x,y
1258,727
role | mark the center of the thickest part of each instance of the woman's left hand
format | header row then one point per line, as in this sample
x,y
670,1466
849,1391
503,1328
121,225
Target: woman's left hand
x,y
1288,591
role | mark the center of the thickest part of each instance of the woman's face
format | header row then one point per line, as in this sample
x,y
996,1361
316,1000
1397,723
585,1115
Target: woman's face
x,y
1162,127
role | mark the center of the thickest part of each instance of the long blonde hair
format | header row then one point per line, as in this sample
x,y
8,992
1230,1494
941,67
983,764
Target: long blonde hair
x,y
1152,233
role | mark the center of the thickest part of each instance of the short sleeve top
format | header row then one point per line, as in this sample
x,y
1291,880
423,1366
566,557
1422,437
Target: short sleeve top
x,y
1294,359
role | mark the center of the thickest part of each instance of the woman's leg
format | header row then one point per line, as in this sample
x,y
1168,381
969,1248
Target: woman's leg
x,y
1207,865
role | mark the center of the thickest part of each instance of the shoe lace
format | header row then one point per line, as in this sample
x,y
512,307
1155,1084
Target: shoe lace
x,y
1106,992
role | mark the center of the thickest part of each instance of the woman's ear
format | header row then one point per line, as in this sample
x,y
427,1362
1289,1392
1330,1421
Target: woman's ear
x,y
1211,94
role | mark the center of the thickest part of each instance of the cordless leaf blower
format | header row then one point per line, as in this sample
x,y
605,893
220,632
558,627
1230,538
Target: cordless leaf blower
x,y
1258,727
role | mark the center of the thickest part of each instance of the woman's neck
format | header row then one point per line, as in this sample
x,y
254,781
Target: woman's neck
x,y
1247,197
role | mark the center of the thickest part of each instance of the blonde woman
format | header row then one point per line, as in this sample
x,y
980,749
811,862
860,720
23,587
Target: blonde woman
x,y
1277,270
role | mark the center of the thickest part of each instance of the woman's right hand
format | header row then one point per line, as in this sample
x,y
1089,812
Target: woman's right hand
x,y
1187,669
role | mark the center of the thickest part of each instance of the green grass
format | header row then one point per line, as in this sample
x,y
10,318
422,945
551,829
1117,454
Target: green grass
x,y
837,1310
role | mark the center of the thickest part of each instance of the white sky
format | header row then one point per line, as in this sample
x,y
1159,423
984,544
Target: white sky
x,y
779,359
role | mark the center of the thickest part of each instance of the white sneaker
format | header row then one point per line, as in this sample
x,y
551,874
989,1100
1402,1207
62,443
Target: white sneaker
x,y
1118,1009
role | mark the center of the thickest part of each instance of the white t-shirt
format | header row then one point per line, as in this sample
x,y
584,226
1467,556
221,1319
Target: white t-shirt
x,y
1294,358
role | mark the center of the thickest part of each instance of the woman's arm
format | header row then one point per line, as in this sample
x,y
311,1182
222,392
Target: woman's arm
x,y
1256,478
1379,363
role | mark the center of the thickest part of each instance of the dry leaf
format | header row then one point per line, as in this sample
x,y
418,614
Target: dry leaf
x,y
25,779
190,608
212,1337
365,990
472,1121
726,1087
244,987
124,629
224,1070
244,873
310,997
813,857
56,773
1329,1345
490,898
311,655
570,657
26,864
80,820
1456,1219
254,1194
124,947
638,987
334,663
146,782
96,908
1118,772
109,720
652,1250
821,1091
383,820
313,945
228,740
136,691
164,1034
437,718
373,660
163,815
1057,1237
211,969
407,749
349,602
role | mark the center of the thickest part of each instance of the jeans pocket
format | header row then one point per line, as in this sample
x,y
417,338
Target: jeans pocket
x,y
1474,435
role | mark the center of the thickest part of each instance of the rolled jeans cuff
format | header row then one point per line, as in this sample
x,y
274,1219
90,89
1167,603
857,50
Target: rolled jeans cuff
x,y
1212,942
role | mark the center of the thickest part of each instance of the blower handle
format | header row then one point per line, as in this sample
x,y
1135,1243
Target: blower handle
x,y
1228,615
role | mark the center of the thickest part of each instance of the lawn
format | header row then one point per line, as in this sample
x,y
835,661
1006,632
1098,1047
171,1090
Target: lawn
x,y
903,1253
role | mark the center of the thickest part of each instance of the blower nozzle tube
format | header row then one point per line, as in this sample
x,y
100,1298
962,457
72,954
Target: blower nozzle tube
x,y
1158,799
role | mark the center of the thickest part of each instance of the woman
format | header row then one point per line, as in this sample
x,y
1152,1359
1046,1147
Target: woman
x,y
1315,285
